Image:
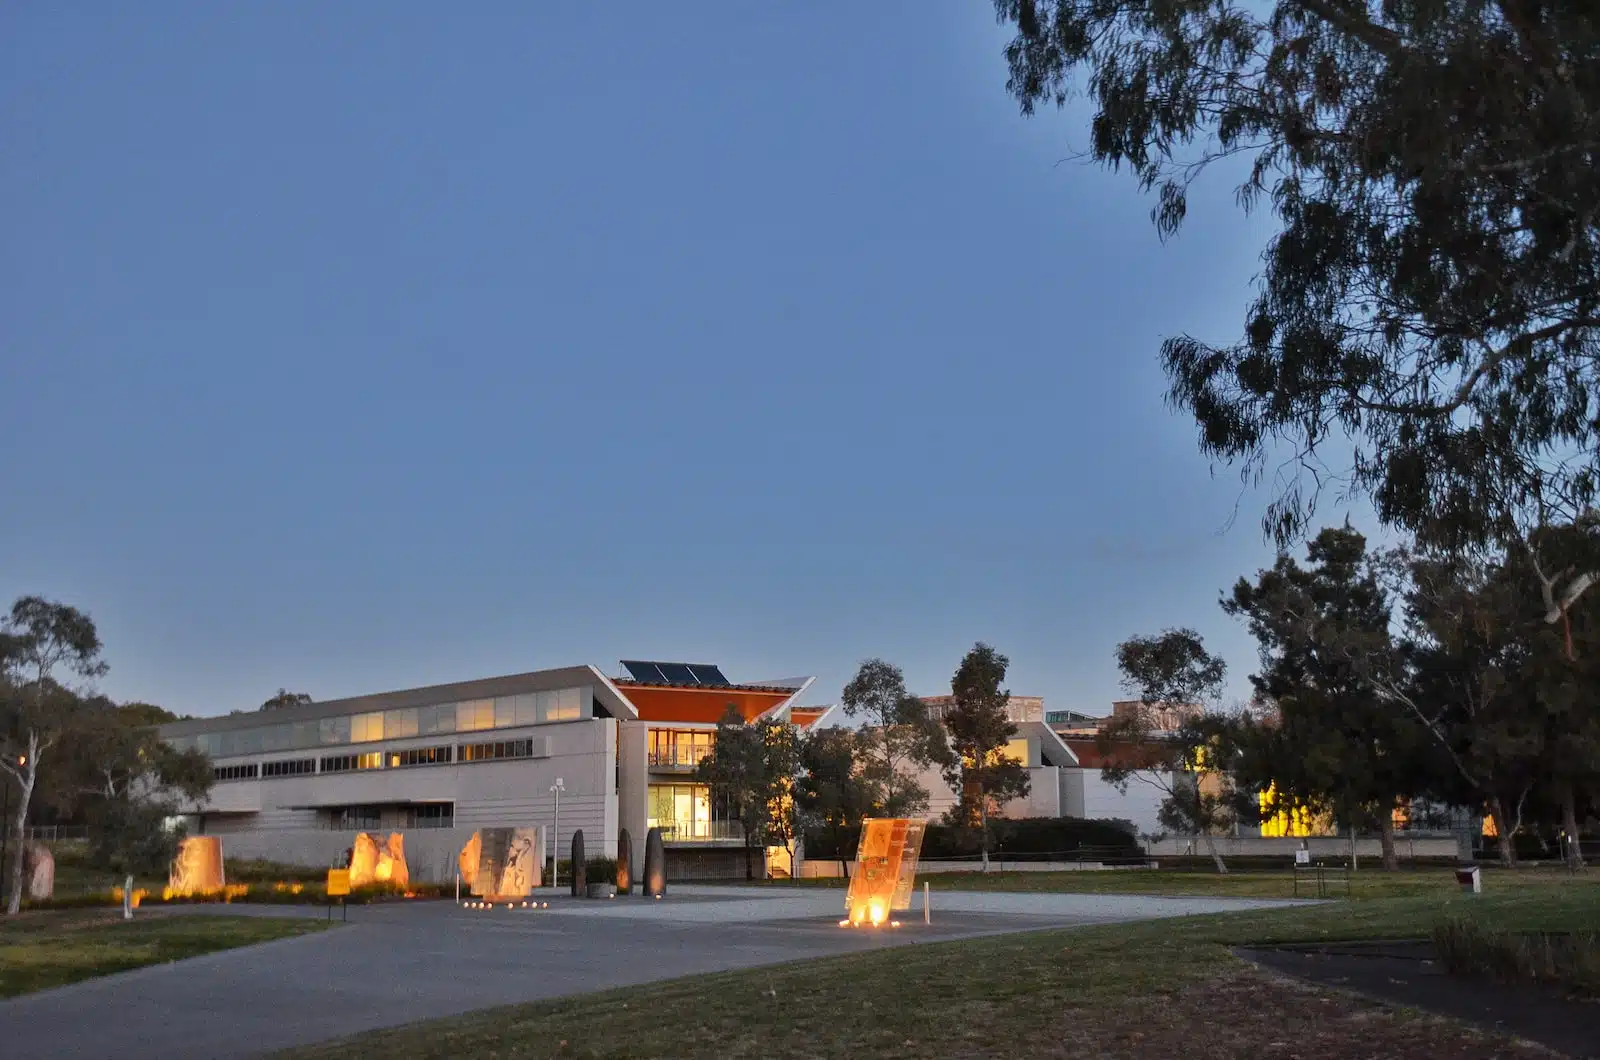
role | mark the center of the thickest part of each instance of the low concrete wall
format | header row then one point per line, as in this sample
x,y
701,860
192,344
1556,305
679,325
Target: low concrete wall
x,y
431,853
829,870
1284,847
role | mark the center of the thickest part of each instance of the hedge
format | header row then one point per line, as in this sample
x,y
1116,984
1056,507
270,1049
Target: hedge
x,y
1034,837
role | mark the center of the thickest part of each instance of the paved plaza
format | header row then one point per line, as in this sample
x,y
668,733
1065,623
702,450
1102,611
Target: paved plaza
x,y
397,963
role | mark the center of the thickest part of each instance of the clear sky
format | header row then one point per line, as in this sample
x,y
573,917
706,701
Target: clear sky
x,y
356,347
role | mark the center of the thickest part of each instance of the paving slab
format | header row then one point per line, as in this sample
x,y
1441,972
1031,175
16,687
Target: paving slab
x,y
401,962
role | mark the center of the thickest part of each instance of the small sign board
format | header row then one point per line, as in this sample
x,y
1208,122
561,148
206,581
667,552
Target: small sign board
x,y
338,882
1302,857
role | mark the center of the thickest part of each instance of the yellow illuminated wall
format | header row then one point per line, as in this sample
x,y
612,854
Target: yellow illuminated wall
x,y
1296,821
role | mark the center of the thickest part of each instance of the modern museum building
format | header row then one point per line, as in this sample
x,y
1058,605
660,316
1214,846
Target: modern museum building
x,y
605,754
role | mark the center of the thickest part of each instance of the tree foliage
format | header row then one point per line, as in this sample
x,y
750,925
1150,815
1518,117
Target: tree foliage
x,y
897,738
831,794
285,698
1433,291
752,769
1335,742
42,642
1190,765
978,769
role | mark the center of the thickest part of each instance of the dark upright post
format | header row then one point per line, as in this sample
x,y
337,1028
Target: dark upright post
x,y
624,861
655,865
580,874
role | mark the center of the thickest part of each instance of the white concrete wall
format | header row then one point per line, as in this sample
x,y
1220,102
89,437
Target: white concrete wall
x,y
1102,801
509,793
633,795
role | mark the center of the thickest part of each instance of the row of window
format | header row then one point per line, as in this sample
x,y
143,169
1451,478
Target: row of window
x,y
346,763
370,818
483,752
502,712
411,756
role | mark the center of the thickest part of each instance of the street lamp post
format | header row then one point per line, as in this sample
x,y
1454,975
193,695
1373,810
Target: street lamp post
x,y
555,858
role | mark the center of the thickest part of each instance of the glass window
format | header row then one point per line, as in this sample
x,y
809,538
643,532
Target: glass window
x,y
365,727
398,724
505,712
431,720
567,705
334,730
527,709
478,714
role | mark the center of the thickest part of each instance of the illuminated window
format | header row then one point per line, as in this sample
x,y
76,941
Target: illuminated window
x,y
680,748
347,763
420,756
484,752
479,714
366,727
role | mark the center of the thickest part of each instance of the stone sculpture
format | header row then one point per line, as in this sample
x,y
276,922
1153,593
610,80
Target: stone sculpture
x,y
655,865
624,861
198,867
373,864
580,867
503,863
39,867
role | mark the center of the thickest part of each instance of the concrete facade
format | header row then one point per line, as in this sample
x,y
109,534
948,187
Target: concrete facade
x,y
296,785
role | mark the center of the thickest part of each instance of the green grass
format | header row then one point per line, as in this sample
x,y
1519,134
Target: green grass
x,y
45,949
1160,988
1366,884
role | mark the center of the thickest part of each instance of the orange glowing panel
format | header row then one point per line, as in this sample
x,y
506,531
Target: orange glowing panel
x,y
198,867
886,866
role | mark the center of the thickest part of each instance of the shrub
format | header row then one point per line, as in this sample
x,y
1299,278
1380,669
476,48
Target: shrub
x,y
1466,947
1035,838
601,870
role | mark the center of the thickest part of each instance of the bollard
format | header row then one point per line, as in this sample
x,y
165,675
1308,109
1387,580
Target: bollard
x,y
927,914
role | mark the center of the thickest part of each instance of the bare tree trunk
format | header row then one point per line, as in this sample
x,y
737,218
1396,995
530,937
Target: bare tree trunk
x,y
1497,813
983,822
1569,824
1216,856
25,778
1391,861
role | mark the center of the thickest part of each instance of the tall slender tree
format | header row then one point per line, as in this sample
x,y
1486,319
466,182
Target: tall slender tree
x,y
42,642
751,770
1186,765
897,738
1343,746
979,771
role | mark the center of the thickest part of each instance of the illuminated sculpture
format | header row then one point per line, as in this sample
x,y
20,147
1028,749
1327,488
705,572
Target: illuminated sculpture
x,y
198,867
503,863
39,868
655,865
371,864
886,867
624,861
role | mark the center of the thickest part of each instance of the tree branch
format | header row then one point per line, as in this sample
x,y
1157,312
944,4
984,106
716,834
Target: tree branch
x,y
1378,38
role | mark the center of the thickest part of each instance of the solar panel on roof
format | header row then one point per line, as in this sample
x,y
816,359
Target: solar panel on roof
x,y
646,672
707,674
676,673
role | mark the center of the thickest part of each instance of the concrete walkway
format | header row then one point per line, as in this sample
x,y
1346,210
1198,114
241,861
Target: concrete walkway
x,y
394,964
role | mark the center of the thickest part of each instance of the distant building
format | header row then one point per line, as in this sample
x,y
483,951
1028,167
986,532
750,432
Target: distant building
x,y
1019,709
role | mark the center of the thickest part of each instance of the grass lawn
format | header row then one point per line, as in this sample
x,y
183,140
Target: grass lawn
x,y
1155,989
1278,883
47,948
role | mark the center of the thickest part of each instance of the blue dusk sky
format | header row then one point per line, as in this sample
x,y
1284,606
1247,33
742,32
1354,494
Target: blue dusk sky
x,y
353,347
